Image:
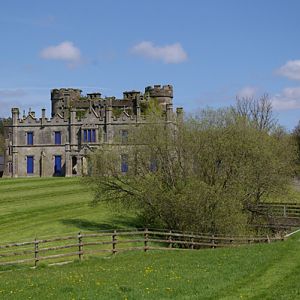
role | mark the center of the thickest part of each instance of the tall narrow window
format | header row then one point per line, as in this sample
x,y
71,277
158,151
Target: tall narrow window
x,y
85,135
30,164
57,137
153,165
124,136
30,138
57,165
124,163
89,135
93,136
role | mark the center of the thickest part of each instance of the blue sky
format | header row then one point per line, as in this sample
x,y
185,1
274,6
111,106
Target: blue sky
x,y
210,51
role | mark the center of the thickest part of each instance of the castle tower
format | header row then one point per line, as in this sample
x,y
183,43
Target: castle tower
x,y
61,99
163,94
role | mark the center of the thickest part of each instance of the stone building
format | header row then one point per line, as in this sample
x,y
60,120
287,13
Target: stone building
x,y
59,146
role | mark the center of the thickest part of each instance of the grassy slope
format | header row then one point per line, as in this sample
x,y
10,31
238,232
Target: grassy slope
x,y
53,206
30,207
292,195
253,272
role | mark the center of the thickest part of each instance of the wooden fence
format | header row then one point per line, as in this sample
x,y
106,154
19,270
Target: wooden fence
x,y
285,210
86,244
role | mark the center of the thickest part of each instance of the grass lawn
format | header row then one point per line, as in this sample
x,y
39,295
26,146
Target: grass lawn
x,y
269,271
57,206
49,207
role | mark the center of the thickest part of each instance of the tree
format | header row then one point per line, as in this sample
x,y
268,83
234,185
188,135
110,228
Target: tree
x,y
203,174
296,137
258,111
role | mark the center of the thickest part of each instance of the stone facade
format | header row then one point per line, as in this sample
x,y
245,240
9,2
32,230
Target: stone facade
x,y
79,124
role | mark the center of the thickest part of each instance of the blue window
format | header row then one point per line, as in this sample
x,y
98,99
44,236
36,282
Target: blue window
x,y
57,165
30,165
85,135
124,163
57,137
89,135
30,138
153,165
124,136
93,135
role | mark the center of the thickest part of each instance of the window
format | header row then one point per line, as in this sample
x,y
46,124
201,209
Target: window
x,y
153,165
30,138
57,137
89,135
124,163
124,136
30,165
57,165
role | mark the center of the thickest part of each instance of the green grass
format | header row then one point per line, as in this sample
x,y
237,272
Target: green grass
x,y
54,206
57,206
269,271
292,195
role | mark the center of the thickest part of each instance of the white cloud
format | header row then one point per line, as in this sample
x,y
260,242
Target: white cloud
x,y
288,99
290,70
247,92
65,51
169,54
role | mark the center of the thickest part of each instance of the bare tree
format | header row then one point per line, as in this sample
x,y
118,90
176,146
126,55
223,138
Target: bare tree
x,y
257,110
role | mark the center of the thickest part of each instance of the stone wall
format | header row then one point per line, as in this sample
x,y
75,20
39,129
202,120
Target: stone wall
x,y
73,149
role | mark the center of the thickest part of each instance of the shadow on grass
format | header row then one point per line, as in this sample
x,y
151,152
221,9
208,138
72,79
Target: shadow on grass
x,y
116,223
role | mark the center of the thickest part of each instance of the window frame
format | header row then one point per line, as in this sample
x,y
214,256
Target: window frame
x,y
89,135
31,157
124,163
124,136
56,135
30,136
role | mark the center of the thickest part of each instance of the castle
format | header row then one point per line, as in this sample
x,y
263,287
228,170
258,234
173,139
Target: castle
x,y
59,146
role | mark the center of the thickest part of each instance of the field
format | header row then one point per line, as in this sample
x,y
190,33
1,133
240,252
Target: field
x,y
37,207
56,206
253,272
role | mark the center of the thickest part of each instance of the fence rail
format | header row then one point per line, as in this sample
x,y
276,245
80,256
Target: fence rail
x,y
85,244
286,210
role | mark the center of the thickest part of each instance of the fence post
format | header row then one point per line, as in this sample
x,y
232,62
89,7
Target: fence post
x,y
146,235
192,242
284,210
213,241
36,252
170,239
80,246
114,242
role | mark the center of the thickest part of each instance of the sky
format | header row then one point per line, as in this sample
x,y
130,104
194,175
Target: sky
x,y
210,51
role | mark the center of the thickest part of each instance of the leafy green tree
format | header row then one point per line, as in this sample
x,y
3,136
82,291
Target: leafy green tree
x,y
203,174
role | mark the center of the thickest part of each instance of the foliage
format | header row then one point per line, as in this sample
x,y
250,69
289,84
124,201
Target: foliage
x,y
150,107
80,114
201,175
269,271
117,111
296,137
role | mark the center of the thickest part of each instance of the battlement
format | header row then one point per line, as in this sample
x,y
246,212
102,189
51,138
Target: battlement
x,y
65,98
65,92
160,91
94,96
130,95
